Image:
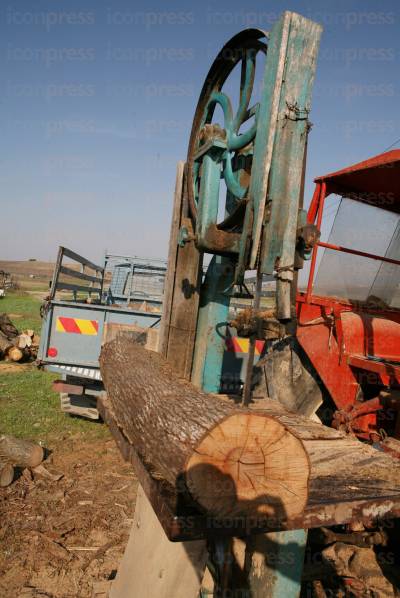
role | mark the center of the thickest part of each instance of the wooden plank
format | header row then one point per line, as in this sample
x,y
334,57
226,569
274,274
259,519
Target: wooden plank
x,y
285,180
182,565
152,339
80,275
57,267
185,307
82,260
181,290
152,566
264,142
66,286
172,257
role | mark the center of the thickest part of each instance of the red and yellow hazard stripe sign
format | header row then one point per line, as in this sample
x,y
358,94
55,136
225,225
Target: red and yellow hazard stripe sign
x,y
236,344
77,326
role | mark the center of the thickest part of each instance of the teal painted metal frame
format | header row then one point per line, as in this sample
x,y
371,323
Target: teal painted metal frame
x,y
277,167
211,324
277,139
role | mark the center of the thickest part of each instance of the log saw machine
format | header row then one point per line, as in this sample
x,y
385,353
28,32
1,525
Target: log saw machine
x,y
238,199
248,171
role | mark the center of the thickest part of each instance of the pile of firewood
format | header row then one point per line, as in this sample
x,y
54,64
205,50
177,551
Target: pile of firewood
x,y
15,345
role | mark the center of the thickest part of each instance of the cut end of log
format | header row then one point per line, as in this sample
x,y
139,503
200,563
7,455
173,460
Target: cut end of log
x,y
15,354
249,464
36,456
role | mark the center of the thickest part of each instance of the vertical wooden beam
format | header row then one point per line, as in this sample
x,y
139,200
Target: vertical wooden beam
x,y
172,258
154,567
181,289
287,166
56,272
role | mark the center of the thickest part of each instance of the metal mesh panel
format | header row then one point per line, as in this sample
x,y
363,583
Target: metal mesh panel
x,y
145,283
133,278
118,280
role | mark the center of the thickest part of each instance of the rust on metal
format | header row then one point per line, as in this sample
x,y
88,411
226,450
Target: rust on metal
x,y
308,235
226,243
72,389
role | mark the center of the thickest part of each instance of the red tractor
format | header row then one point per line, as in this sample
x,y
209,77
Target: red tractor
x,y
349,316
344,361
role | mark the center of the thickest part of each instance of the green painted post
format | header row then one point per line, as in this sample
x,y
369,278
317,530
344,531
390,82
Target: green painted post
x,y
211,324
287,165
274,564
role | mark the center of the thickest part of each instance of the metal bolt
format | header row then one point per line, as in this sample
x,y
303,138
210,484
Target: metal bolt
x,y
184,236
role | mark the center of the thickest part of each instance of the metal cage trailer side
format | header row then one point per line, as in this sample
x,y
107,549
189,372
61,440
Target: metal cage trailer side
x,y
135,282
74,329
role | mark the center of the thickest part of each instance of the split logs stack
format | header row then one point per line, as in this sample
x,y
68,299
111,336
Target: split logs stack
x,y
234,462
14,345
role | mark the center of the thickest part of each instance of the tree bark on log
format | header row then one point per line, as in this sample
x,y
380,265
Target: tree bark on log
x,y
7,327
24,453
234,461
5,343
6,473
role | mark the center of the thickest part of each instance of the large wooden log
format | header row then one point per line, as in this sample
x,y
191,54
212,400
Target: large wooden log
x,y
24,453
233,461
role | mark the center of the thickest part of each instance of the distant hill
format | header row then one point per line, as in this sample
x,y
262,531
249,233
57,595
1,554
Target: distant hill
x,y
30,274
26,268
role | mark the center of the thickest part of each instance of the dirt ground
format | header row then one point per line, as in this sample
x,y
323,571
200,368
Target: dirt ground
x,y
64,537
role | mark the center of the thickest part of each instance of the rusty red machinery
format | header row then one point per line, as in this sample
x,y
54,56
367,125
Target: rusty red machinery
x,y
354,345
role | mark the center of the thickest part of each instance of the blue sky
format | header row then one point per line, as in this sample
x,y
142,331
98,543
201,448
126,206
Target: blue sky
x,y
98,99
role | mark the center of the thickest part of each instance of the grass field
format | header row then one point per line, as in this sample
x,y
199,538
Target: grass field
x,y
30,409
35,559
28,406
23,310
